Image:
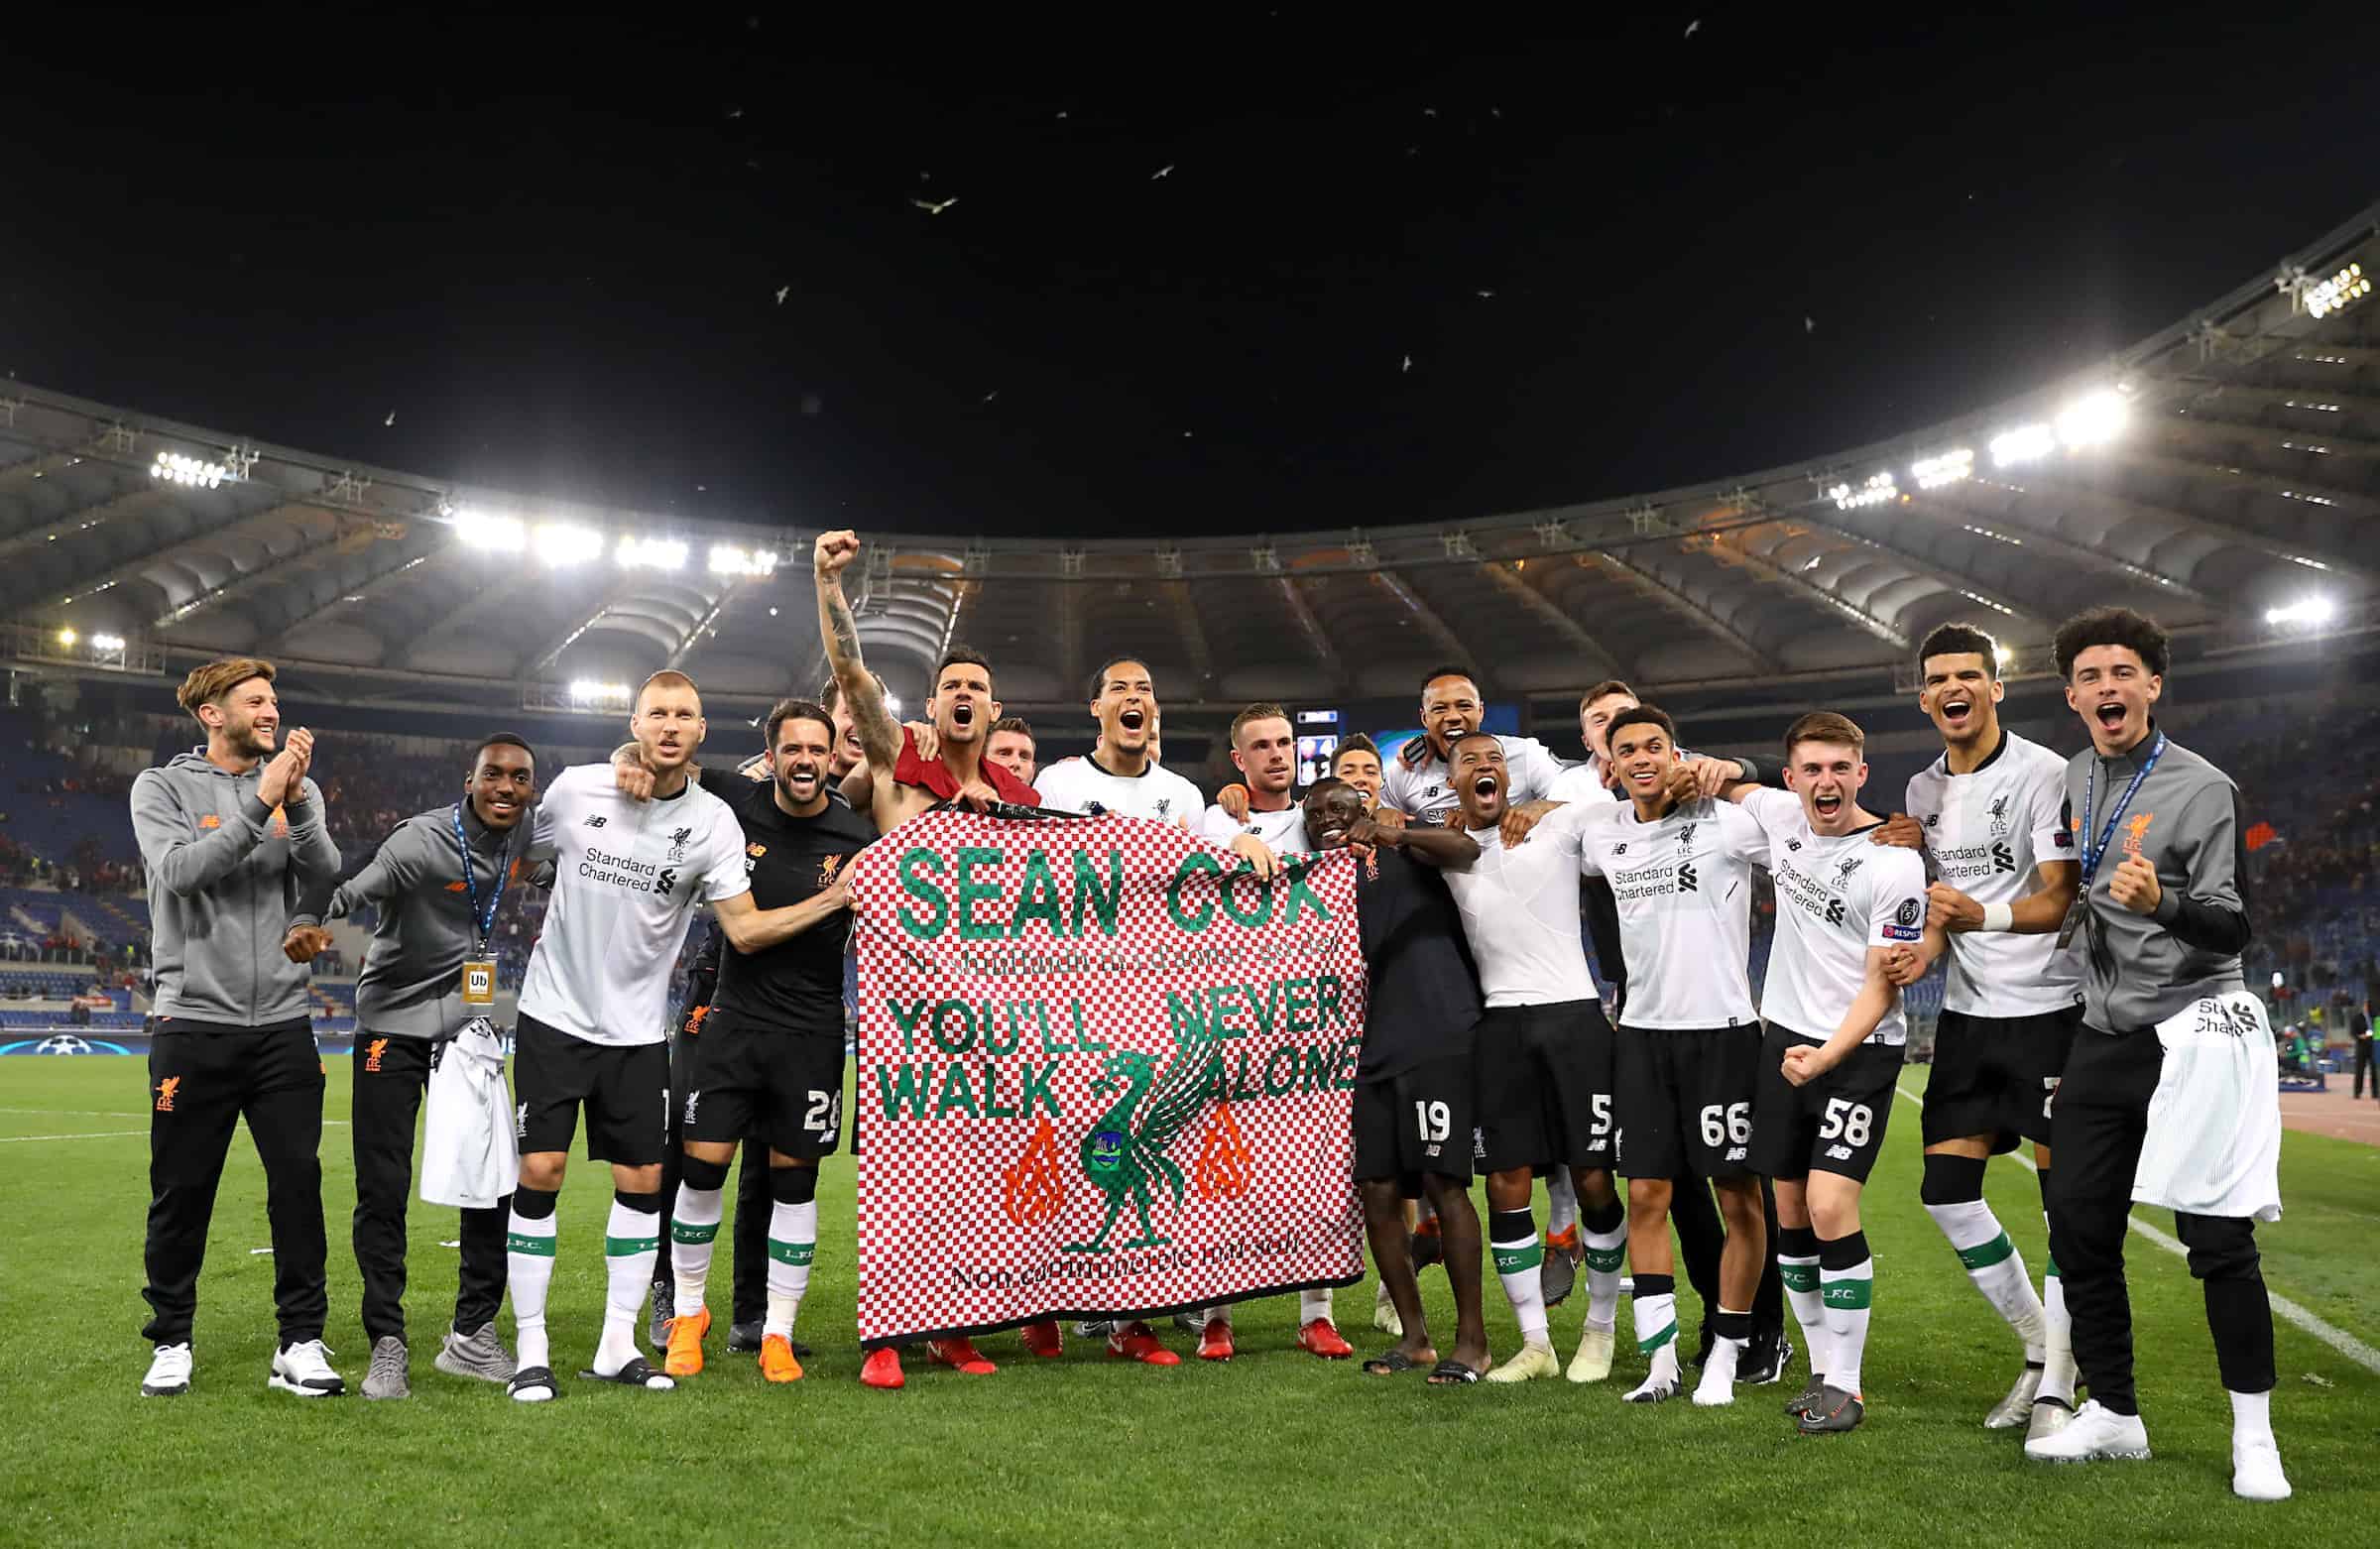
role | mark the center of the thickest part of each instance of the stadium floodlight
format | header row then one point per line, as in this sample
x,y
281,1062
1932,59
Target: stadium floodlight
x,y
586,690
2004,656
649,554
2314,611
1932,473
561,543
1878,489
481,529
107,642
728,559
190,472
2343,289
891,704
2022,444
2094,419
68,636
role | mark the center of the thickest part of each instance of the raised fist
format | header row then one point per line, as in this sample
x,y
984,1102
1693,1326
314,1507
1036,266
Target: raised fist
x,y
834,551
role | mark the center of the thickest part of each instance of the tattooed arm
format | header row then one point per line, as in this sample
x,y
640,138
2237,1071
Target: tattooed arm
x,y
879,734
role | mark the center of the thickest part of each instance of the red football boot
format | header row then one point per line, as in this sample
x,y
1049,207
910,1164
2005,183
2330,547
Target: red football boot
x,y
1042,1338
960,1355
1216,1342
1138,1342
1322,1337
882,1368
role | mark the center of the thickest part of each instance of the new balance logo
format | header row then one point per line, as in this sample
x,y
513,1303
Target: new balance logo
x,y
1736,1154
1838,1152
596,821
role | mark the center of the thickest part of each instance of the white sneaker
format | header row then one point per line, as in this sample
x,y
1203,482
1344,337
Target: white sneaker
x,y
2017,1408
169,1372
2091,1435
2256,1471
1592,1363
303,1368
1528,1364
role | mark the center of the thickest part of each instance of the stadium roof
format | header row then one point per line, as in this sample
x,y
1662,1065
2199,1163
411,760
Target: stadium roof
x,y
2226,468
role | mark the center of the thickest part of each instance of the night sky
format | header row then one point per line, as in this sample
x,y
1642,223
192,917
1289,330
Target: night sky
x,y
1188,258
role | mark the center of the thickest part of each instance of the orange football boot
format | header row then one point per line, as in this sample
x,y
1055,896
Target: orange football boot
x,y
685,1342
776,1359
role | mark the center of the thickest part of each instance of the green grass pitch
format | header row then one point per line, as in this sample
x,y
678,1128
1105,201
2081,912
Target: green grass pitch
x,y
1277,1446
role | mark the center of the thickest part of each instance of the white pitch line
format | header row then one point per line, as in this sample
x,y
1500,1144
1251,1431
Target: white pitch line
x,y
98,1134
81,1113
2291,1312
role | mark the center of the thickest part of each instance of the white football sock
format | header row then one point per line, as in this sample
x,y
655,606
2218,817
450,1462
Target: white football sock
x,y
1801,1293
528,1270
693,1231
1517,1254
632,1240
1312,1304
2058,1338
2251,1418
1997,1268
1605,1252
1846,1294
793,1244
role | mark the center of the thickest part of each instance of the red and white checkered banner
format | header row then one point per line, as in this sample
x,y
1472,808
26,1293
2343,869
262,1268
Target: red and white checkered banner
x,y
1102,1070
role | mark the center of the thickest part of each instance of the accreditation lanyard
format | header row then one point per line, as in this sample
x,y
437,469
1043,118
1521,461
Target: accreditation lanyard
x,y
2092,853
483,922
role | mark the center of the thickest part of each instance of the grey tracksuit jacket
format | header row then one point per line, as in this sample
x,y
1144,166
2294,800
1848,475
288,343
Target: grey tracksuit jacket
x,y
2140,969
412,981
224,873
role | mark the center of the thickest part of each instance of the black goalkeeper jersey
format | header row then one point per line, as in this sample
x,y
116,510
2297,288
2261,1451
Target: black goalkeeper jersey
x,y
797,984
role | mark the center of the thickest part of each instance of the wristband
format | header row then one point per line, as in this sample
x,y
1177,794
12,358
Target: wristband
x,y
1998,917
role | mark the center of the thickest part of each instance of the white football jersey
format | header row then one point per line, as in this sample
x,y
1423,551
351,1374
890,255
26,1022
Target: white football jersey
x,y
1581,783
1423,790
1520,908
1684,887
1158,793
1283,832
1985,832
625,875
1836,898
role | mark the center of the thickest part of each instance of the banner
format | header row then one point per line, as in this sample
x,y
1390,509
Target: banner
x,y
1098,1073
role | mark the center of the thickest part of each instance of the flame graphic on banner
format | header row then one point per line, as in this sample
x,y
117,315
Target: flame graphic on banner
x,y
1030,1191
1223,1159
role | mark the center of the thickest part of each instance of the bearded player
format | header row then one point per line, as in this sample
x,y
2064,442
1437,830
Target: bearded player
x,y
1265,748
901,783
